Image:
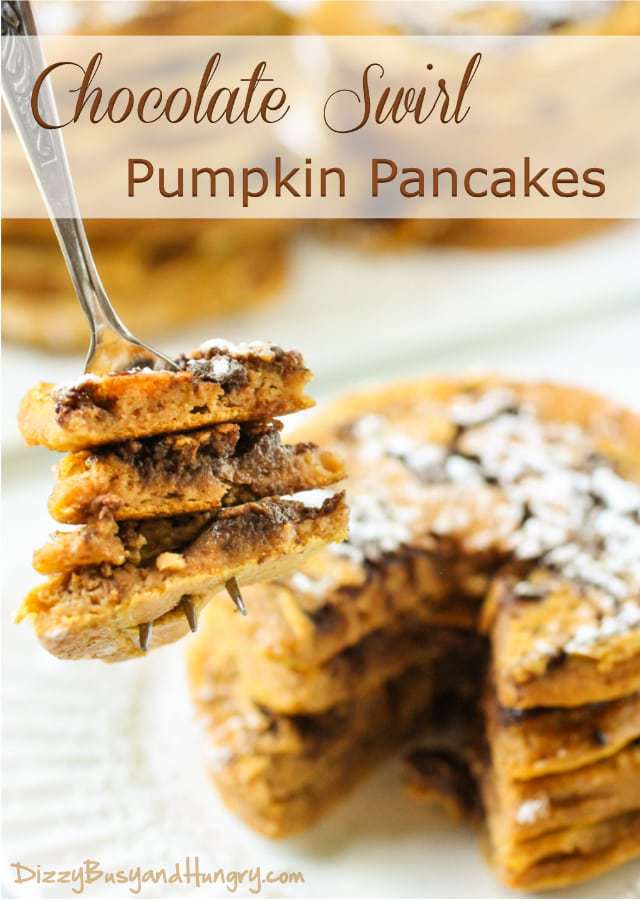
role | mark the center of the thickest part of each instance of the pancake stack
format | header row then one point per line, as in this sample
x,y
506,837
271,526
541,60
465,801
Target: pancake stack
x,y
195,269
228,265
222,267
562,778
558,100
177,481
563,791
481,510
288,738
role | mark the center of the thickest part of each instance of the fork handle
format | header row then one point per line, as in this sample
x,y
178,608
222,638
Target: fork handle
x,y
22,61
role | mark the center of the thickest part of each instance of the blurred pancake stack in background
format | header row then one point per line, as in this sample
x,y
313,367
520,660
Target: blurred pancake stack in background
x,y
165,273
559,111
162,273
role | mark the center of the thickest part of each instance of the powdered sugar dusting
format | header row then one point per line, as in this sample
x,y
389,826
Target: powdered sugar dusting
x,y
579,516
314,497
376,526
418,17
563,505
64,388
220,368
470,411
261,349
625,618
532,811
308,585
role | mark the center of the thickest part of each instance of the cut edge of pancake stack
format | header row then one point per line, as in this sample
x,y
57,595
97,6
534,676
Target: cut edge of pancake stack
x,y
179,485
285,744
561,788
478,506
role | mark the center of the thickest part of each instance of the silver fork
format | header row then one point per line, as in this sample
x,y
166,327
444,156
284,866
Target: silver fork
x,y
112,346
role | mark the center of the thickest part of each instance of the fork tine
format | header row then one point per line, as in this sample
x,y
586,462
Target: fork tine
x,y
145,631
233,590
190,613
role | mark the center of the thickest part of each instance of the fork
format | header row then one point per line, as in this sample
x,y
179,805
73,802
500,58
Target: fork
x,y
112,346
